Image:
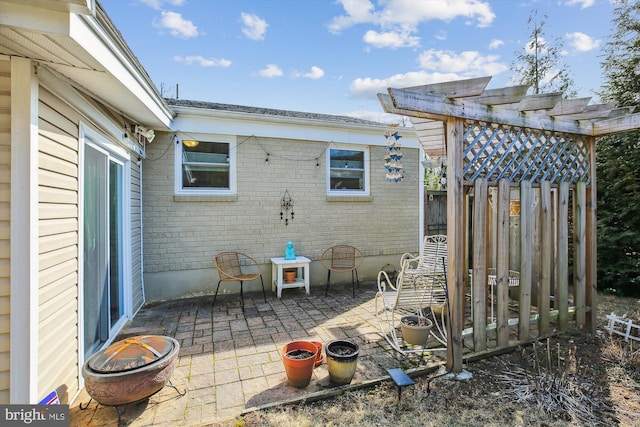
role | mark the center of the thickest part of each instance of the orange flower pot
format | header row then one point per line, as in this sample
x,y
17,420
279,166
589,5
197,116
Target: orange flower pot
x,y
290,276
298,367
319,357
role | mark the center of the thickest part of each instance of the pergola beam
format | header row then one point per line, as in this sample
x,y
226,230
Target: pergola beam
x,y
454,89
468,99
617,125
417,105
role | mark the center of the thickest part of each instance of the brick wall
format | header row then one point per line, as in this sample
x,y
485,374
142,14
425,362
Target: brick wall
x,y
183,233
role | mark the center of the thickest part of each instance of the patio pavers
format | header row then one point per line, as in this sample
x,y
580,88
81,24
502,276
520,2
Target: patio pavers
x,y
230,361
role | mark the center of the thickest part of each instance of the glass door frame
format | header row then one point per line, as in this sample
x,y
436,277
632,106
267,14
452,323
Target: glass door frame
x,y
119,155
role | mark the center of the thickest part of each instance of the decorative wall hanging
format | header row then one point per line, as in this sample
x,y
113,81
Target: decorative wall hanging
x,y
286,205
392,163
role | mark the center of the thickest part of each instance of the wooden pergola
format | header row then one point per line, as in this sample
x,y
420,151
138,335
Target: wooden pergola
x,y
503,146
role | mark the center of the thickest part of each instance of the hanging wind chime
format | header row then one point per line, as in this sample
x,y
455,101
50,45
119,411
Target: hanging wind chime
x,y
395,170
286,205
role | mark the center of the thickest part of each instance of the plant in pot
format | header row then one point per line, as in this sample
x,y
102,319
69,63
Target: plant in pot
x,y
299,358
290,276
342,359
415,329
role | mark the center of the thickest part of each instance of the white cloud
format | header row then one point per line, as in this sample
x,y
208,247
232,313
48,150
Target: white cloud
x,y
204,62
468,63
408,14
442,35
157,4
437,66
270,71
390,39
358,12
177,25
530,47
368,87
495,43
374,116
253,26
315,73
583,3
582,42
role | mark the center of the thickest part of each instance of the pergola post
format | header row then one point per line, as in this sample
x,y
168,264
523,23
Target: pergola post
x,y
591,273
455,255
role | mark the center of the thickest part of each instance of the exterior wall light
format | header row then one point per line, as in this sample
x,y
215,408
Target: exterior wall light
x,y
191,143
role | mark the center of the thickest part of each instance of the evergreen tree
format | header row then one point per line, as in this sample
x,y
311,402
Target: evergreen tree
x,y
538,63
618,160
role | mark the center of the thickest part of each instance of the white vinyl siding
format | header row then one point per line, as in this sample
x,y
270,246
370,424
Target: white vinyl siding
x,y
136,237
5,227
58,245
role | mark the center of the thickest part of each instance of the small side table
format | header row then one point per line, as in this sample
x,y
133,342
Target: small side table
x,y
277,280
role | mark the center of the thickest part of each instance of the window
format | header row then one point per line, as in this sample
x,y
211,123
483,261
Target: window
x,y
205,167
348,171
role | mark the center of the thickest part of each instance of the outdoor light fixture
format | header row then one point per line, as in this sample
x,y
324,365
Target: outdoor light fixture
x,y
191,143
149,134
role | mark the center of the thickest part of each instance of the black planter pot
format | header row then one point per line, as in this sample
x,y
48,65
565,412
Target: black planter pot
x,y
342,360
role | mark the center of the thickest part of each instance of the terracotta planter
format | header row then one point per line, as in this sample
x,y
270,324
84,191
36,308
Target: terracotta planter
x,y
290,276
342,360
298,367
415,329
319,357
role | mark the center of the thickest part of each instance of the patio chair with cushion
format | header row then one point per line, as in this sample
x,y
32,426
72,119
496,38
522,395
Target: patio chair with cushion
x,y
342,259
420,290
237,267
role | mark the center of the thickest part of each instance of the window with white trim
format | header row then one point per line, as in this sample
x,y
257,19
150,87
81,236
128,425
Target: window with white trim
x,y
348,171
205,166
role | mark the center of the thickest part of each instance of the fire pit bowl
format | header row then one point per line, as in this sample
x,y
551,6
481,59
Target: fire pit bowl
x,y
131,369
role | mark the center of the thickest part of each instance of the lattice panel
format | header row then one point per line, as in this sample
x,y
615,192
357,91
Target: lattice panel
x,y
496,152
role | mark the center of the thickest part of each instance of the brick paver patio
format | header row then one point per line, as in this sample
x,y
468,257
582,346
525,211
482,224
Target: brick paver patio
x,y
230,361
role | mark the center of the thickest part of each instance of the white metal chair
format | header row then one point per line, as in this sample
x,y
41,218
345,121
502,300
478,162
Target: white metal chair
x,y
420,289
514,281
432,253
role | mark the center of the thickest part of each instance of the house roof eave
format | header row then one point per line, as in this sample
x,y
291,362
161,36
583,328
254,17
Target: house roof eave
x,y
82,44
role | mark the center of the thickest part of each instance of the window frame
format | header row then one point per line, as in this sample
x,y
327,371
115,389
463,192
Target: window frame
x,y
366,171
205,191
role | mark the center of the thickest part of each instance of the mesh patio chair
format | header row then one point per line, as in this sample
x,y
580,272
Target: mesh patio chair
x,y
342,259
237,267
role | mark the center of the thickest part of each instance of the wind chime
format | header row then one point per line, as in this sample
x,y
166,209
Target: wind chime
x,y
395,170
286,205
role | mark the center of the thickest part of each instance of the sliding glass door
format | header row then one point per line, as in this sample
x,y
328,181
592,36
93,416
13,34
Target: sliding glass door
x,y
103,247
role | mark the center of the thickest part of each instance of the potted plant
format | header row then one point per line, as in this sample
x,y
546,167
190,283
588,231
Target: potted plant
x,y
415,329
290,276
342,359
299,358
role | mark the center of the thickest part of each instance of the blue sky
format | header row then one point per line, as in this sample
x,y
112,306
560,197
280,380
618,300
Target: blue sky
x,y
333,56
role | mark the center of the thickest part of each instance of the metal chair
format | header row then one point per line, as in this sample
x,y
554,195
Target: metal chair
x,y
342,259
237,267
420,288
